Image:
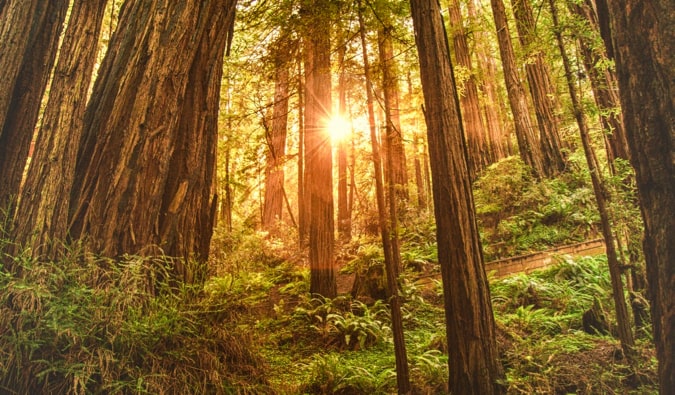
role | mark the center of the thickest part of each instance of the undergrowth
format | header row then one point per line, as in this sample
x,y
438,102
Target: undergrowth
x,y
93,325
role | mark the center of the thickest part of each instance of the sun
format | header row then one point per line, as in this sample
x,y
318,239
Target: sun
x,y
338,128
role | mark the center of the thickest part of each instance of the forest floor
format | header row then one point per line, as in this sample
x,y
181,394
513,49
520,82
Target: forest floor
x,y
344,346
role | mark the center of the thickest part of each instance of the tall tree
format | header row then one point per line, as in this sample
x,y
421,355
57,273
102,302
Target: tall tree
x,y
603,82
45,198
601,198
318,149
468,98
470,327
276,137
645,64
389,243
147,156
398,174
541,89
528,143
29,36
497,132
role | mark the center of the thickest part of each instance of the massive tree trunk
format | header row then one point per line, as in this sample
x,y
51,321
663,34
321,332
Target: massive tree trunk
x,y
398,174
43,209
276,148
643,44
29,36
473,359
528,144
147,156
541,89
468,98
318,150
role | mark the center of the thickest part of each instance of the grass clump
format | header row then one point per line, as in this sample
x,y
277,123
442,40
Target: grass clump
x,y
94,325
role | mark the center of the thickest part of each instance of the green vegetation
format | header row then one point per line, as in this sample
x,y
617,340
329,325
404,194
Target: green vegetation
x,y
94,325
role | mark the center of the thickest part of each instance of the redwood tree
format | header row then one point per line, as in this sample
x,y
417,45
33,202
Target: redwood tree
x,y
643,43
45,197
318,149
541,89
470,327
147,157
276,137
528,143
29,36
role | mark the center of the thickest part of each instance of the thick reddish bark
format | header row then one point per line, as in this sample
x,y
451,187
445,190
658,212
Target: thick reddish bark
x,y
318,150
643,44
473,359
29,38
147,156
46,193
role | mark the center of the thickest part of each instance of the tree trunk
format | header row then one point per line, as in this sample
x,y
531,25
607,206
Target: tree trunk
x,y
497,132
473,359
389,249
344,213
645,63
147,157
541,89
276,149
394,134
29,33
528,145
45,197
303,203
604,85
601,197
468,98
318,150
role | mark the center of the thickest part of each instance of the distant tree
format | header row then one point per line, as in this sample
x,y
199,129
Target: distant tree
x,y
642,43
603,81
541,89
276,136
29,36
395,150
470,327
42,216
147,157
389,239
468,98
528,143
492,107
318,149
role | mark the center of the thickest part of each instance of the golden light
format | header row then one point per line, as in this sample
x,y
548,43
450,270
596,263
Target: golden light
x,y
338,128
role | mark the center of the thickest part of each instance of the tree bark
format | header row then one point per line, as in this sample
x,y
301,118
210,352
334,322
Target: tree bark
x,y
528,144
473,359
318,150
147,156
541,89
29,36
643,43
45,197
